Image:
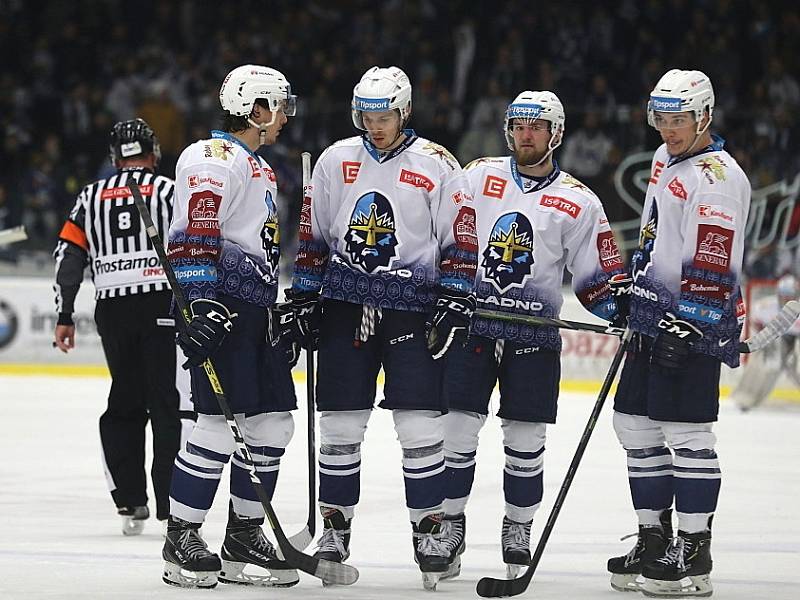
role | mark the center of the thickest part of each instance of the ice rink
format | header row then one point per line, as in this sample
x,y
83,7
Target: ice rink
x,y
60,536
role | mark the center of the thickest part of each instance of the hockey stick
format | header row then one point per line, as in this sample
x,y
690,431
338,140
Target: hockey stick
x,y
777,327
15,234
303,538
328,571
488,587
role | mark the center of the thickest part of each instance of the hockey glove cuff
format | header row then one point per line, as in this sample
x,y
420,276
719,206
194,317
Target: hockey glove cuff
x,y
449,321
204,334
621,286
297,320
673,343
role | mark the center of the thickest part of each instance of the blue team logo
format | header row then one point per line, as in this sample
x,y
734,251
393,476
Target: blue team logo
x,y
371,238
647,239
271,235
508,259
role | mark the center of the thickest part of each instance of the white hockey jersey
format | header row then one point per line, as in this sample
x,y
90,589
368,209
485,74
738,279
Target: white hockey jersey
x,y
690,250
385,229
225,236
530,230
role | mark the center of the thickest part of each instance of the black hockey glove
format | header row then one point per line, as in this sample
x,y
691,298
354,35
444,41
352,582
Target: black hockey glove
x,y
621,285
211,322
449,321
297,320
673,343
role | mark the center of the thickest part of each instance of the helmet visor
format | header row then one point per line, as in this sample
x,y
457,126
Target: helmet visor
x,y
288,105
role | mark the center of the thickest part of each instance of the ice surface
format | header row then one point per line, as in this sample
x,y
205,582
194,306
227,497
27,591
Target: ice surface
x,y
60,536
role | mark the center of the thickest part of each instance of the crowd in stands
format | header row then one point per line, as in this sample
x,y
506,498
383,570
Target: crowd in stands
x,y
71,70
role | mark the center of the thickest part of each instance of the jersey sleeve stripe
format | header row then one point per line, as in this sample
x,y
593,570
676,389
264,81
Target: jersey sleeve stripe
x,y
74,234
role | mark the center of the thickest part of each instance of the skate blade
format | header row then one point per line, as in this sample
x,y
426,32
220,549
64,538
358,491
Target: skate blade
x,y
131,526
233,572
697,586
174,575
429,580
631,582
453,571
513,571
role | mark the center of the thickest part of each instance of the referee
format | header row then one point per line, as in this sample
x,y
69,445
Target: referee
x,y
132,315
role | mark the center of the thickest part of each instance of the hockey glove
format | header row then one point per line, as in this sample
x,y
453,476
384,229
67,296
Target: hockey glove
x,y
673,343
449,321
621,285
297,320
203,335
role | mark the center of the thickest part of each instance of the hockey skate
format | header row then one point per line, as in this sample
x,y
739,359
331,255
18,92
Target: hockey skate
x,y
516,542
245,544
334,545
133,518
651,543
454,534
683,570
430,552
187,560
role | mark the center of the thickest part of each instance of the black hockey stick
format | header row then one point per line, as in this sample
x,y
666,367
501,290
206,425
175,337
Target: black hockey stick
x,y
303,538
488,587
777,327
327,571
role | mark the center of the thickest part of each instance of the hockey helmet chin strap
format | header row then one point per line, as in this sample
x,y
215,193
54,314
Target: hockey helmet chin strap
x,y
550,149
698,133
262,127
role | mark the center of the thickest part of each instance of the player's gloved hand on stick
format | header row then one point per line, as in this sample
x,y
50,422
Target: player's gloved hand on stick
x,y
297,320
621,285
449,321
211,322
673,343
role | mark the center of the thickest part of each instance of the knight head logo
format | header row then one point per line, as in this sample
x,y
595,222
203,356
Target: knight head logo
x,y
371,238
508,257
640,260
271,234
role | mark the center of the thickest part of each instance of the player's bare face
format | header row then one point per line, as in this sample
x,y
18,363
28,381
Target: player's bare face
x,y
531,139
274,129
678,131
383,128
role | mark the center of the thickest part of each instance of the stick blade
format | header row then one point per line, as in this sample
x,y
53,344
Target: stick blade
x,y
489,587
15,234
776,327
302,539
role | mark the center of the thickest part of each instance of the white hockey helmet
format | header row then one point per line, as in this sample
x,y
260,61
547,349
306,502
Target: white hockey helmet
x,y
531,106
682,91
382,89
246,84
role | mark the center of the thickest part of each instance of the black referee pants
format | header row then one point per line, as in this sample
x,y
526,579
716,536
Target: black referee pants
x,y
141,357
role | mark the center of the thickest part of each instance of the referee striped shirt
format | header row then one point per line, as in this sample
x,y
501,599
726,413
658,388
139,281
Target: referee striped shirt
x,y
104,231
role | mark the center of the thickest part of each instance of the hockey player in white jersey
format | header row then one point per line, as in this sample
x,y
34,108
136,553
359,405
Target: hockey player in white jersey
x,y
686,310
534,220
763,370
224,247
387,239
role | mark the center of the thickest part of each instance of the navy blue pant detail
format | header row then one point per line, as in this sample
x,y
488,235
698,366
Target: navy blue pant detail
x,y
425,493
523,455
688,395
653,493
206,453
529,380
255,376
347,372
339,490
696,495
519,490
202,490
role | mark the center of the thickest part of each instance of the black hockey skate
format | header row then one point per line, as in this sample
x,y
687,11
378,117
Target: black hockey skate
x,y
454,534
187,560
334,544
133,518
651,543
516,542
245,544
430,551
683,570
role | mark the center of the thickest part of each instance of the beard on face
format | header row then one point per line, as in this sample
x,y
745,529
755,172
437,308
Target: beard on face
x,y
528,156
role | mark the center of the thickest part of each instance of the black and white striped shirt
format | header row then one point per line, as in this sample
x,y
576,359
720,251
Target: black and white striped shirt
x,y
104,230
